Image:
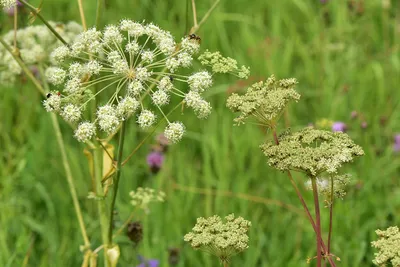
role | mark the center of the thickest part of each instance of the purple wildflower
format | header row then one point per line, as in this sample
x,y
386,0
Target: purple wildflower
x,y
155,160
339,126
396,145
148,263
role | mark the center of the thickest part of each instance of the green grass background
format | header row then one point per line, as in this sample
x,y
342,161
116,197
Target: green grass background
x,y
344,59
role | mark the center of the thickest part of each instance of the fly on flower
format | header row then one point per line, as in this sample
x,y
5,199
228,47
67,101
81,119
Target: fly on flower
x,y
194,37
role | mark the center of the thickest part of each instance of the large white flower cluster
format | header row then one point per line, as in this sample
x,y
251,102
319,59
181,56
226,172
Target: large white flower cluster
x,y
136,68
34,44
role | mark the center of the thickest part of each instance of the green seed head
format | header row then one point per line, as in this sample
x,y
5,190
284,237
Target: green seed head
x,y
311,151
222,239
264,101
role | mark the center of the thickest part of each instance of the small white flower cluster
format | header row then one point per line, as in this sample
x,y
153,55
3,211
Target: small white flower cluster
x,y
8,3
220,64
138,64
35,44
325,189
142,197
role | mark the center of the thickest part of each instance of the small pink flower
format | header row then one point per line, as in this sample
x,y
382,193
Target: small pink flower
x,y
339,126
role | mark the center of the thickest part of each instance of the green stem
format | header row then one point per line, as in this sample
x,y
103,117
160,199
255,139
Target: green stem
x,y
101,202
36,13
99,10
70,180
116,181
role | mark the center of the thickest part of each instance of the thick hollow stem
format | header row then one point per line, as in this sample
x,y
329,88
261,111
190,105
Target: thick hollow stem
x,y
116,181
318,220
101,204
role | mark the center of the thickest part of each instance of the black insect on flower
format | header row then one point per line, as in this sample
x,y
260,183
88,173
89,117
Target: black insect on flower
x,y
194,37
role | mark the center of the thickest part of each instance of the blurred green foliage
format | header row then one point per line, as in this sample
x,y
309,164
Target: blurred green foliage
x,y
345,55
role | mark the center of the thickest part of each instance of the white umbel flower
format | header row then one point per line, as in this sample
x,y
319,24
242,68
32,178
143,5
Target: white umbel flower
x,y
132,47
55,75
148,56
192,46
185,59
7,4
106,110
76,69
126,107
135,88
93,67
85,131
146,118
134,29
71,113
201,107
112,35
107,118
160,98
73,86
60,54
108,123
142,73
172,64
174,131
200,81
52,103
165,84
